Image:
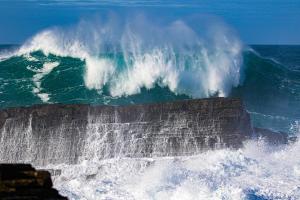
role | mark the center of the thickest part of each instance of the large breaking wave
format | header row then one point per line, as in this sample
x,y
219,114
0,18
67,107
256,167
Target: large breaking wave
x,y
126,57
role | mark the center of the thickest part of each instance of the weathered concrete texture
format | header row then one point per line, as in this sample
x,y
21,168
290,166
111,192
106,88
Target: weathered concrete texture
x,y
21,181
47,134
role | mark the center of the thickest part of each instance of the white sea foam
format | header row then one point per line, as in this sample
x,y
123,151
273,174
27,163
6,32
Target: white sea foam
x,y
268,172
175,55
30,58
37,78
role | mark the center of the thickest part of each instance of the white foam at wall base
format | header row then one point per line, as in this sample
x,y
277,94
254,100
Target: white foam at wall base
x,y
272,173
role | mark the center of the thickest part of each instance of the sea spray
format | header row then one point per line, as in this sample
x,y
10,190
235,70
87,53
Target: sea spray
x,y
257,171
141,54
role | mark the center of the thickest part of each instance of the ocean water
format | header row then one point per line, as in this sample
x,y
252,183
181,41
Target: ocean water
x,y
142,62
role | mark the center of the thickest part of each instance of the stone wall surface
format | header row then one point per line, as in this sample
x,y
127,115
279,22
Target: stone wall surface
x,y
53,134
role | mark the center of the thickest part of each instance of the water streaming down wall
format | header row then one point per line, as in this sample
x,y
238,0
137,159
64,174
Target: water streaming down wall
x,y
54,134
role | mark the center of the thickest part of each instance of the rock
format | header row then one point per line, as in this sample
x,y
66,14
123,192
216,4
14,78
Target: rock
x,y
22,181
56,133
53,134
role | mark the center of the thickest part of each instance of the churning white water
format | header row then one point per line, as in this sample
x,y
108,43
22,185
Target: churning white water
x,y
258,170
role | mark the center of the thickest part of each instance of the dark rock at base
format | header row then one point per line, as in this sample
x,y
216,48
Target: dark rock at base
x,y
22,181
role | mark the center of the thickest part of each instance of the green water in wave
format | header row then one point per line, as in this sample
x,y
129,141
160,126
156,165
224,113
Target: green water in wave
x,y
271,89
64,84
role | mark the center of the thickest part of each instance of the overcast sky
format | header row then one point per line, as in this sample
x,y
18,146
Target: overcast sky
x,y
257,21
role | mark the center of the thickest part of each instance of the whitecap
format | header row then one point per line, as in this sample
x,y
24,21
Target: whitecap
x,y
173,55
37,79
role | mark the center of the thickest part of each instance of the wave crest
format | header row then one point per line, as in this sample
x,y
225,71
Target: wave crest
x,y
138,54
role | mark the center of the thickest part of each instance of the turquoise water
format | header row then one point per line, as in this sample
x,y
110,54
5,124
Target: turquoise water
x,y
269,85
271,90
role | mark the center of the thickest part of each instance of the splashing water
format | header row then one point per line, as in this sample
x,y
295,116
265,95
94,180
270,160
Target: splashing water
x,y
140,54
256,172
